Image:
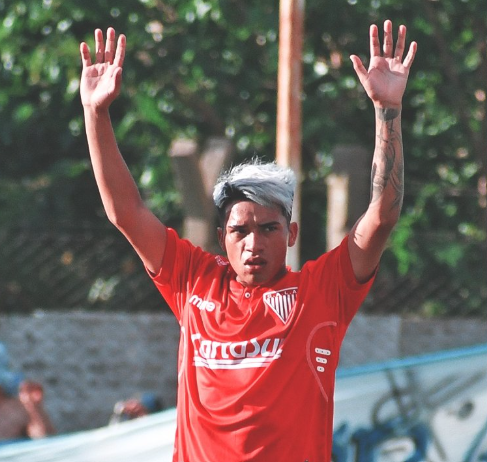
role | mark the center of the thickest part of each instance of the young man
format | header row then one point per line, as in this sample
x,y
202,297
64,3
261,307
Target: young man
x,y
259,343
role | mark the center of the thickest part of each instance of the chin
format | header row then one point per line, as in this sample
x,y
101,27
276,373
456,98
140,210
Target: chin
x,y
257,280
250,280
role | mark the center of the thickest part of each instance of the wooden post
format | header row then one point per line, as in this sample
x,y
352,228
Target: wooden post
x,y
195,178
289,87
348,191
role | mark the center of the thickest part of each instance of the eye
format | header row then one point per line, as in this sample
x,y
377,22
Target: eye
x,y
237,231
270,228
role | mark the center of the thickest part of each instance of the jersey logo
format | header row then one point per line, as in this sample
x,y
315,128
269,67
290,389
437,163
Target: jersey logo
x,y
203,305
281,302
235,355
220,261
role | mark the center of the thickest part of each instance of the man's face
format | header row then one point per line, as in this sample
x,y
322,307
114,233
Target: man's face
x,y
255,239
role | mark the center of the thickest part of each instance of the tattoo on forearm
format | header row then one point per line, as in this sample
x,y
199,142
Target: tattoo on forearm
x,y
387,114
388,168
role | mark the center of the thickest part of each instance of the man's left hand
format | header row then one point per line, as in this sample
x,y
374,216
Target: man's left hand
x,y
385,79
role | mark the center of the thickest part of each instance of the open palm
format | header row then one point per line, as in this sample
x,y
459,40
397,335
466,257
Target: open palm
x,y
101,81
386,78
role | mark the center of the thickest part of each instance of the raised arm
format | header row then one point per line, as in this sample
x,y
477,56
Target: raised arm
x,y
100,85
31,395
385,82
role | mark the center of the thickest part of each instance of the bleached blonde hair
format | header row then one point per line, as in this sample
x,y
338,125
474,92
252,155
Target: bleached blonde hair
x,y
266,184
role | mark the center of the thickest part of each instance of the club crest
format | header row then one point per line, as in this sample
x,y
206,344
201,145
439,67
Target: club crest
x,y
281,302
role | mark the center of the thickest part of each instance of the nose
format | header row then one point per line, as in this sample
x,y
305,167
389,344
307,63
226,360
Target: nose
x,y
254,242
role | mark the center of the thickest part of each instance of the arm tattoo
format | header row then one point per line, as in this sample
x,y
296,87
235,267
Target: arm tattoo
x,y
388,168
387,114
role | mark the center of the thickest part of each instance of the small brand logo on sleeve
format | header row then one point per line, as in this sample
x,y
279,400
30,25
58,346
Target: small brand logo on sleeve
x,y
220,261
203,305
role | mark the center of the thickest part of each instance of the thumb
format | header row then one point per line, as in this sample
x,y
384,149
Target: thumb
x,y
116,80
358,66
118,75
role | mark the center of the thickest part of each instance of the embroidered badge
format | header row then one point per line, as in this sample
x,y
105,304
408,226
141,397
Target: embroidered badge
x,y
281,302
220,261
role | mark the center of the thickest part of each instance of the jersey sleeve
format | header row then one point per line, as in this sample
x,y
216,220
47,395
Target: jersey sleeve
x,y
177,270
333,276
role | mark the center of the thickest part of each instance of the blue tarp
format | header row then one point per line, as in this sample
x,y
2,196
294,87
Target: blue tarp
x,y
431,407
148,439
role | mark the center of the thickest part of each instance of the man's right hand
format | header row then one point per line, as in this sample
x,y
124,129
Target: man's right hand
x,y
101,81
100,85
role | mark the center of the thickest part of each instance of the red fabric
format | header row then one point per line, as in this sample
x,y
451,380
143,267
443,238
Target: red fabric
x,y
257,366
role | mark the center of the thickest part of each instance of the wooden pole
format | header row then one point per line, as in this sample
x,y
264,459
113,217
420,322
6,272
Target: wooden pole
x,y
289,87
348,191
195,177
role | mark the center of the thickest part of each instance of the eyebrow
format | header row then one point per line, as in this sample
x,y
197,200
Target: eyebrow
x,y
270,223
260,225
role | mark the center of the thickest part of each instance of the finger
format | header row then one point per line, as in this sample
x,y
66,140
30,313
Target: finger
x,y
359,67
388,40
374,41
110,46
118,79
116,74
99,46
400,44
84,50
115,82
120,54
408,61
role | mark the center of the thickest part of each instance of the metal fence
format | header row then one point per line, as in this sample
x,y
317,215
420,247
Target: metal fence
x,y
95,268
88,268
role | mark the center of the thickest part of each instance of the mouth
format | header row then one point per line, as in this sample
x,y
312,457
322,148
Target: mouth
x,y
255,263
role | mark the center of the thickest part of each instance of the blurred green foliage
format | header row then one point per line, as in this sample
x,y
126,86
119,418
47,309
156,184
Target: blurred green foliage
x,y
198,68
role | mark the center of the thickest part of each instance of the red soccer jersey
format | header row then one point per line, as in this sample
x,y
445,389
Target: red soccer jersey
x,y
257,365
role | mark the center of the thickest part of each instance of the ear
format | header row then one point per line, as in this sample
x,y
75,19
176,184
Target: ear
x,y
221,238
293,234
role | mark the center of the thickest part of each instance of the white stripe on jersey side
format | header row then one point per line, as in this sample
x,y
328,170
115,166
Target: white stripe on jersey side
x,y
243,363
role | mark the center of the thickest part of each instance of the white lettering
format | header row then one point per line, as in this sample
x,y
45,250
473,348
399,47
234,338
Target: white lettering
x,y
213,349
256,348
224,350
195,300
228,355
274,349
203,305
243,349
205,348
195,337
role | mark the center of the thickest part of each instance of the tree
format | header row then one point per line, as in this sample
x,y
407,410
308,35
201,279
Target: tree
x,y
198,68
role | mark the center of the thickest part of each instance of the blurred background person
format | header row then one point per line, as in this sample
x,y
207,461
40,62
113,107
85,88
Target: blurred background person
x,y
139,405
22,413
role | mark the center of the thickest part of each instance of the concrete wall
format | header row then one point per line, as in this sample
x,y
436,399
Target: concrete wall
x,y
88,361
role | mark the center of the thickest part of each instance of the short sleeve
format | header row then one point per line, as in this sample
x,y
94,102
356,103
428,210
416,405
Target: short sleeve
x,y
183,265
171,279
334,281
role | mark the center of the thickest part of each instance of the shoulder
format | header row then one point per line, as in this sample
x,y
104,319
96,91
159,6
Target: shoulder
x,y
335,267
331,258
183,257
